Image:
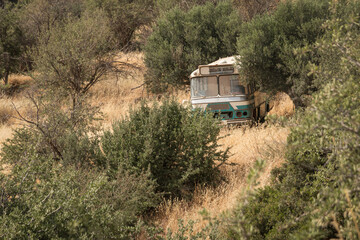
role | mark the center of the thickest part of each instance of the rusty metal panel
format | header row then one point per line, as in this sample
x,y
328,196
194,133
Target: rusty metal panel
x,y
219,106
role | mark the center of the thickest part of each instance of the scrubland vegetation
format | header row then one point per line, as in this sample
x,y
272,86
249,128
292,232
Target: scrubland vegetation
x,y
96,143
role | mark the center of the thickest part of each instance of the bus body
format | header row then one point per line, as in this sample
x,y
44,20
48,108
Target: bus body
x,y
217,88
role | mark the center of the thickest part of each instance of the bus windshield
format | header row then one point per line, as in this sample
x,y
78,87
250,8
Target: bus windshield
x,y
230,85
204,87
208,86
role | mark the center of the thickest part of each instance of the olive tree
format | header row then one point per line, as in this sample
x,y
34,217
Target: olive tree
x,y
73,56
273,48
183,40
39,16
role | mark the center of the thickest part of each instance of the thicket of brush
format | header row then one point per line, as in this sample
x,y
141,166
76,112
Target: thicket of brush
x,y
176,145
70,179
315,194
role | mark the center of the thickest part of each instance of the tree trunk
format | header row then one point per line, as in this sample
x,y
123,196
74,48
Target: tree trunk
x,y
6,57
6,77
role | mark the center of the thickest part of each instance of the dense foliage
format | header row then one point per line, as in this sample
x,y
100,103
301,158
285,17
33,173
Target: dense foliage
x,y
10,42
269,47
315,193
46,196
42,199
163,6
183,40
125,17
177,145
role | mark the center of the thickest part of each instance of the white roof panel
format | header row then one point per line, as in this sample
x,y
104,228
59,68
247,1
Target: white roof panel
x,y
221,61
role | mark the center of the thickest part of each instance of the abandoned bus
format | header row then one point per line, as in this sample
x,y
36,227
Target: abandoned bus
x,y
216,87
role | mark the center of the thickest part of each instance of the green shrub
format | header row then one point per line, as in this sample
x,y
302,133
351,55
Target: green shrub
x,y
270,44
337,112
183,40
163,6
44,199
177,145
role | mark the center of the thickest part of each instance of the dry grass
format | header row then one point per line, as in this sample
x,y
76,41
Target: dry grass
x,y
5,133
17,79
248,145
282,105
117,93
5,114
7,129
8,121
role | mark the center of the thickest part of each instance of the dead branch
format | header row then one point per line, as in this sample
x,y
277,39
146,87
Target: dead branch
x,y
138,86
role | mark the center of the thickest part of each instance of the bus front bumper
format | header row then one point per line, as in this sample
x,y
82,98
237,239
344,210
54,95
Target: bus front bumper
x,y
238,121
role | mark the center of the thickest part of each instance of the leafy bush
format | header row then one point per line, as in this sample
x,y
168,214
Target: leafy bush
x,y
43,198
183,40
177,145
70,136
338,113
270,44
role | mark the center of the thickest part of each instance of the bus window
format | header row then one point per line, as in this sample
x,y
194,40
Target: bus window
x,y
230,85
204,87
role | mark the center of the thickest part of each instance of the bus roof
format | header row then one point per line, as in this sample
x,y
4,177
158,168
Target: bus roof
x,y
222,61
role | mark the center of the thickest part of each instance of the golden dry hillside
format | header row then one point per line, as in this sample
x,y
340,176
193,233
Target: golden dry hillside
x,y
117,93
